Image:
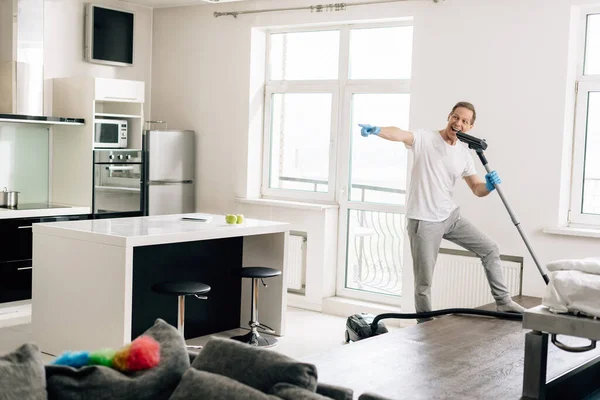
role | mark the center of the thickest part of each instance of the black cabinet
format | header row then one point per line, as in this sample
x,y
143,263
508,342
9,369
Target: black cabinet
x,y
15,280
16,253
16,239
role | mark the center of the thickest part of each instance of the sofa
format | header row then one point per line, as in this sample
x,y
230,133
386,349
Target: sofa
x,y
224,369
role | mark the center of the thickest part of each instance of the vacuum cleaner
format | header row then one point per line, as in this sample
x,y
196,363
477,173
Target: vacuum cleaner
x,y
363,325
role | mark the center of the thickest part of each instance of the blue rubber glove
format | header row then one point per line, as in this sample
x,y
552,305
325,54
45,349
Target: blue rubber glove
x,y
367,130
492,179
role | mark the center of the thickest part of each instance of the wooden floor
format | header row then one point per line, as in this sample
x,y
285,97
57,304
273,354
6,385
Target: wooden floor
x,y
453,357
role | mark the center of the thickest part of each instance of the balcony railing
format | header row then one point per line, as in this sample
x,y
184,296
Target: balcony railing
x,y
374,255
363,188
375,243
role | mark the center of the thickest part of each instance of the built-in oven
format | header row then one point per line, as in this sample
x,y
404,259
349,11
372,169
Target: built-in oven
x,y
117,183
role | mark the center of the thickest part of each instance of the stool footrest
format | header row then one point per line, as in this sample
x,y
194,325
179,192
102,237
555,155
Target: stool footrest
x,y
265,328
254,339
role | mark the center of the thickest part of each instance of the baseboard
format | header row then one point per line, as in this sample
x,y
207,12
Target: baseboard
x,y
299,301
15,313
345,307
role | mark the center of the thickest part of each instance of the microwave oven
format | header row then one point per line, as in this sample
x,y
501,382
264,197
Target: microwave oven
x,y
110,133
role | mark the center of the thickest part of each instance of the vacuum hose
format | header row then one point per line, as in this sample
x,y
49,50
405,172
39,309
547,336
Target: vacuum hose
x,y
436,313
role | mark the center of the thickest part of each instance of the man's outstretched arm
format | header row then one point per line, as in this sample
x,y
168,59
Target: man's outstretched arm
x,y
388,132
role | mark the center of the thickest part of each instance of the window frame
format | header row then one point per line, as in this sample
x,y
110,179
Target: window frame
x,y
585,84
294,88
338,88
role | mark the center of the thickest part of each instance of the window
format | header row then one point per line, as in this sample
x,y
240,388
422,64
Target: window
x,y
585,195
311,72
321,83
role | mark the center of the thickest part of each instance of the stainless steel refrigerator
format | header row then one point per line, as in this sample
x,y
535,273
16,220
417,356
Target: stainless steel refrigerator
x,y
169,172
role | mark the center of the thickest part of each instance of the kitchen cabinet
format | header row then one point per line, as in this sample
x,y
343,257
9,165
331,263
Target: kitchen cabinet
x,y
15,280
72,149
16,255
119,90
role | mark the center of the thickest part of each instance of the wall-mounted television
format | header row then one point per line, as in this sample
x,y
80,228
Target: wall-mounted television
x,y
109,35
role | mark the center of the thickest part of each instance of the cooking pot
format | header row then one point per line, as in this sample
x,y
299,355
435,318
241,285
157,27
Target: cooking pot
x,y
9,198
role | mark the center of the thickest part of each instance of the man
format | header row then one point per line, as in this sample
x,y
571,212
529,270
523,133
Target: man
x,y
439,161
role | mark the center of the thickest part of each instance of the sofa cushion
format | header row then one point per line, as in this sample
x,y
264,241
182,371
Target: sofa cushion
x,y
100,382
291,392
202,385
253,366
335,392
22,374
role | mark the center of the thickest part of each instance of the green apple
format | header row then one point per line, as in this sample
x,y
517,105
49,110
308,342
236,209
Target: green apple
x,y
230,218
239,219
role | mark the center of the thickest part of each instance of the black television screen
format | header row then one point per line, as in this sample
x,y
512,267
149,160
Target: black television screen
x,y
110,35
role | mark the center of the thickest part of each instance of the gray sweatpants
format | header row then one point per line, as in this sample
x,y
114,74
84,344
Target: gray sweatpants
x,y
425,239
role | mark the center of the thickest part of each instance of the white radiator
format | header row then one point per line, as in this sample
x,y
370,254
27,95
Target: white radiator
x,y
296,262
459,281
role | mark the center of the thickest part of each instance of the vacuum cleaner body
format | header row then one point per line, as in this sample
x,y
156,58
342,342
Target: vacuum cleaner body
x,y
358,327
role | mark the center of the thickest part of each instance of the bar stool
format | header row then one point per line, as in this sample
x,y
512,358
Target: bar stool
x,y
182,289
253,338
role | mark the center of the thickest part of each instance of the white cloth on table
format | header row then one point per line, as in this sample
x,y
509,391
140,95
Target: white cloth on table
x,y
591,265
575,290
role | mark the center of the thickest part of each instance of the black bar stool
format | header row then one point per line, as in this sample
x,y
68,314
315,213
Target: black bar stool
x,y
182,289
253,338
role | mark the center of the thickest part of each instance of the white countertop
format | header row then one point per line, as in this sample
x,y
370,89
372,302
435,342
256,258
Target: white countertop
x,y
144,231
6,213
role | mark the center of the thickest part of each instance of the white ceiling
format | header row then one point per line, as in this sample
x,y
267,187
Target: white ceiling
x,y
174,3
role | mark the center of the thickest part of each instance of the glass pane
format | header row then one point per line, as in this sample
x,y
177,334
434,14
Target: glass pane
x,y
300,133
592,46
591,173
374,253
381,53
378,167
304,55
24,161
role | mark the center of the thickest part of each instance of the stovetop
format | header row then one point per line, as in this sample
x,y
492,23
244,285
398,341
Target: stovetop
x,y
34,206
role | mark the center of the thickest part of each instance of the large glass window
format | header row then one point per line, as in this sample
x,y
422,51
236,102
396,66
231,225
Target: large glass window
x,y
307,124
304,55
300,126
381,53
378,167
585,195
322,83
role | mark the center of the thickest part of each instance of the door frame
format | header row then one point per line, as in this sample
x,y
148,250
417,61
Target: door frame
x,y
343,179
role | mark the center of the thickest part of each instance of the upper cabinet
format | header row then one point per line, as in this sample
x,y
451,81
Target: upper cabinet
x,y
119,90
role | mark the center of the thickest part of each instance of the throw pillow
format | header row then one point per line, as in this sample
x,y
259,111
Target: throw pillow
x,y
335,392
100,383
202,385
253,366
22,374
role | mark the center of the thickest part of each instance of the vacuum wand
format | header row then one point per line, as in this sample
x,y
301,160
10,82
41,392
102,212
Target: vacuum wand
x,y
479,145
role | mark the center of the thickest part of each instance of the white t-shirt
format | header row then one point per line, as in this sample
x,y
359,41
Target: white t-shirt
x,y
436,168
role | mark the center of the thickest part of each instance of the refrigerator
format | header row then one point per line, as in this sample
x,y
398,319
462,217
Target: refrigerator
x,y
169,171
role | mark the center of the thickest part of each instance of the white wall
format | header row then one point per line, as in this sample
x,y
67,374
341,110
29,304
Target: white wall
x,y
508,57
64,42
320,226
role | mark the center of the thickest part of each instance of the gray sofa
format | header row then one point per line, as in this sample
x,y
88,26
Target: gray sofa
x,y
224,369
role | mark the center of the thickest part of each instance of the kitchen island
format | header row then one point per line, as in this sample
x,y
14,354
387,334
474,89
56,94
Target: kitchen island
x,y
92,279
